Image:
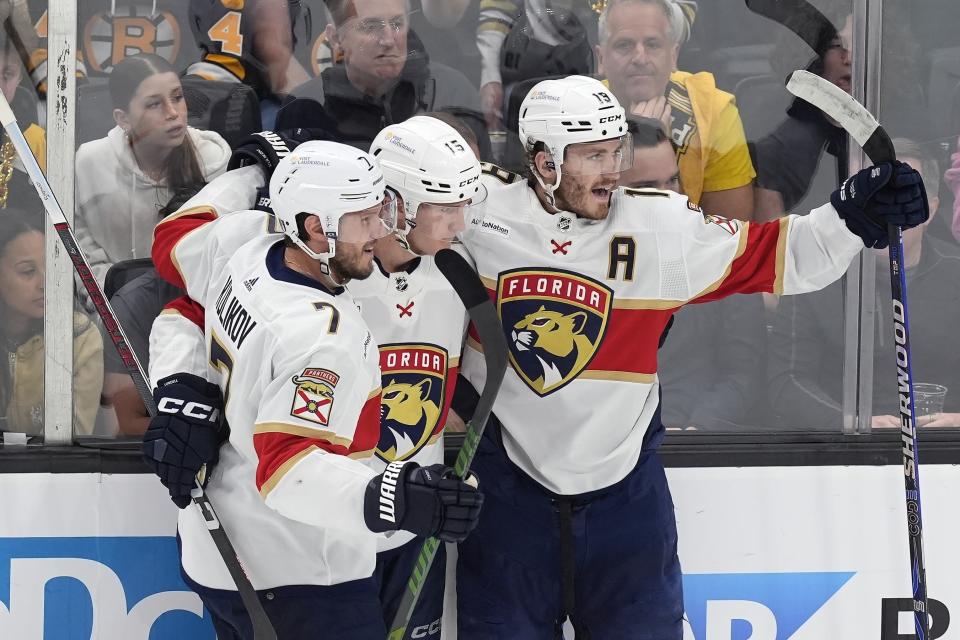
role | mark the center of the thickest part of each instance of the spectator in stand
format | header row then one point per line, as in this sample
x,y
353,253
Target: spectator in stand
x,y
654,158
124,179
136,305
639,45
806,345
789,158
15,187
250,42
21,332
953,179
709,355
382,76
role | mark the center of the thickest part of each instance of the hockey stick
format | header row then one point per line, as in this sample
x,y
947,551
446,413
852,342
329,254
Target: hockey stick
x,y
482,313
868,133
262,628
800,17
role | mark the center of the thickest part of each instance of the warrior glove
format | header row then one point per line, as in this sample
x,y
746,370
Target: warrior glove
x,y
428,501
888,193
268,148
186,433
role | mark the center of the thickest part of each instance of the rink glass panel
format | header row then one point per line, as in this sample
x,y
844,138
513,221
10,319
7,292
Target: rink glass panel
x,y
919,103
737,371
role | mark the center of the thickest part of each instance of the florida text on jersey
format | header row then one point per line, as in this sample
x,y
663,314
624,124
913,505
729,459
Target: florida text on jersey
x,y
583,304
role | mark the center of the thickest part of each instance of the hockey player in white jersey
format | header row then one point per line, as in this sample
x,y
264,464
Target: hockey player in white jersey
x,y
296,485
578,521
418,322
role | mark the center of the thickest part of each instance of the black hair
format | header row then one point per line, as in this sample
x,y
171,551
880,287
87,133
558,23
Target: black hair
x,y
647,133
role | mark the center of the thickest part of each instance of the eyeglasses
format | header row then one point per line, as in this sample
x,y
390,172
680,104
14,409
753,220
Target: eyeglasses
x,y
372,27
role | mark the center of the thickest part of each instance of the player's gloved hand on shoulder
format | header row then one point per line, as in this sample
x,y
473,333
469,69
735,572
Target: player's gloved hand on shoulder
x,y
871,199
428,501
267,148
186,433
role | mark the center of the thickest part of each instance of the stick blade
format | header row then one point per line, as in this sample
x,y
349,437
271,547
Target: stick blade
x,y
846,112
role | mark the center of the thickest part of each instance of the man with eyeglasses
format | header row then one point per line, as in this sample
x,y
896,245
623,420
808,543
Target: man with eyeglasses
x,y
382,75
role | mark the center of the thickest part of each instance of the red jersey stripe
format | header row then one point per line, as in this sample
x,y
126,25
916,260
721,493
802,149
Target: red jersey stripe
x,y
168,233
275,449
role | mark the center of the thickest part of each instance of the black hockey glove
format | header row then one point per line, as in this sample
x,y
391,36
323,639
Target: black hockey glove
x,y
185,434
267,148
428,501
871,199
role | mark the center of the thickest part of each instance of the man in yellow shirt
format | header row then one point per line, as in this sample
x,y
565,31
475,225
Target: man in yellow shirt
x,y
639,44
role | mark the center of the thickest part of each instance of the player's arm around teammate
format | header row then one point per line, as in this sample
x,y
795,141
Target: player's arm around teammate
x,y
204,246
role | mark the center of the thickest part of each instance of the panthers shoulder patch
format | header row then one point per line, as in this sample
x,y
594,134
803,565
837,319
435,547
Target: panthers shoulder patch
x,y
313,395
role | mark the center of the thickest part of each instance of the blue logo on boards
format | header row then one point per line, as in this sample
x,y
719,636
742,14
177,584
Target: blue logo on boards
x,y
124,588
786,599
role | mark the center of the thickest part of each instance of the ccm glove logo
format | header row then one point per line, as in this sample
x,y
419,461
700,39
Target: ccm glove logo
x,y
195,410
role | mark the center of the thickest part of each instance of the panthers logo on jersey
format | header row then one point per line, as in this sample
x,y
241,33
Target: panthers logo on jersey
x,y
555,321
414,380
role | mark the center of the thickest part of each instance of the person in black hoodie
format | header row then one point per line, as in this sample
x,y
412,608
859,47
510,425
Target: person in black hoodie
x,y
382,76
709,355
806,345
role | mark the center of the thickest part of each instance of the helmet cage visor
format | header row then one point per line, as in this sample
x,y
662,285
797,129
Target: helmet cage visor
x,y
448,220
365,225
600,157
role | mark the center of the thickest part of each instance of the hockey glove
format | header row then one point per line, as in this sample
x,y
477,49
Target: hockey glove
x,y
428,501
267,148
185,434
871,199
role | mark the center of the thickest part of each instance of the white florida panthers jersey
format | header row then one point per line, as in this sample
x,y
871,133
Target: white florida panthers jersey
x,y
418,322
299,370
584,303
415,316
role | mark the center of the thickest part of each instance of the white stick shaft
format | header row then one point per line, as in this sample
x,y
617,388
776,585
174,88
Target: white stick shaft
x,y
30,163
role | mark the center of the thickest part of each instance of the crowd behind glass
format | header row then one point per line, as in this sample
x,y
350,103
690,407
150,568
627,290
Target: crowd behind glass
x,y
166,89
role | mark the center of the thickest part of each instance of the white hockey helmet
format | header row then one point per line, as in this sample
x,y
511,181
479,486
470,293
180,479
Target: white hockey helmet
x,y
330,180
426,161
572,110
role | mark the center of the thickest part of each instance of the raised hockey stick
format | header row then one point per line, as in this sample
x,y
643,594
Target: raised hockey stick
x,y
482,313
800,17
862,127
262,628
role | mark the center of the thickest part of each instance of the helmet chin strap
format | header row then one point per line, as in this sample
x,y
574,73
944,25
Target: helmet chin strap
x,y
323,258
548,189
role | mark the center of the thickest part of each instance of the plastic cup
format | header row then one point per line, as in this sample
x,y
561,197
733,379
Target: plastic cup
x,y
928,398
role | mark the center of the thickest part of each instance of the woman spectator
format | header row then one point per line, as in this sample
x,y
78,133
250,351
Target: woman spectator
x,y
124,179
21,332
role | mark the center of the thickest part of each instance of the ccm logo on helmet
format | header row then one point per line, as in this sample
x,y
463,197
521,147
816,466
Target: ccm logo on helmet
x,y
611,118
196,410
469,181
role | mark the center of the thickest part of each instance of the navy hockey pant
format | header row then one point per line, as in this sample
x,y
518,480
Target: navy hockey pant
x,y
607,560
393,571
356,610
